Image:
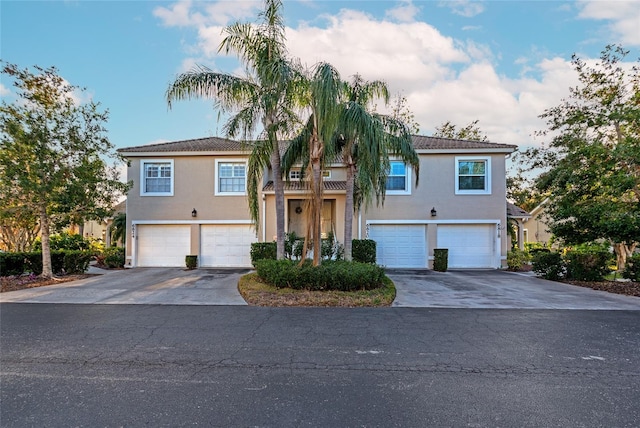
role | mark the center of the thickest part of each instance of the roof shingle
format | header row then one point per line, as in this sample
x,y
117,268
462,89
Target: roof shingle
x,y
298,185
208,144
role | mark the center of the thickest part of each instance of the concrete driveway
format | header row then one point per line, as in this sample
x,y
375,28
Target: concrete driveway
x,y
143,286
498,290
415,288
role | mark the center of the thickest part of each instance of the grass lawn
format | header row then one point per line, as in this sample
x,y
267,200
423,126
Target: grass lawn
x,y
257,293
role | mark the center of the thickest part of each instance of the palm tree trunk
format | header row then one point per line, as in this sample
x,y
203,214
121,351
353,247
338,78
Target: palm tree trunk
x,y
278,187
317,212
47,271
348,210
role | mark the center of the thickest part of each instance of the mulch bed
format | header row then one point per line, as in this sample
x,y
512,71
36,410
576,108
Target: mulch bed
x,y
626,288
14,283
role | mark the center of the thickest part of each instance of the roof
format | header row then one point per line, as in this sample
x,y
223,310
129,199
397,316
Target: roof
x,y
208,144
299,185
218,144
515,211
422,142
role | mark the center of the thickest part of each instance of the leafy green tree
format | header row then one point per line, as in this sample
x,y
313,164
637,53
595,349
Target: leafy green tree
x,y
52,153
265,97
593,158
368,140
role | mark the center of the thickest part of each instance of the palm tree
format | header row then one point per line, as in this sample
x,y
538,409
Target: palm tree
x,y
368,140
314,145
266,96
119,229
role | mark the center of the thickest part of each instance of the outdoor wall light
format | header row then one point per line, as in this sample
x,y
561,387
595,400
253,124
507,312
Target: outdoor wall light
x,y
433,212
194,213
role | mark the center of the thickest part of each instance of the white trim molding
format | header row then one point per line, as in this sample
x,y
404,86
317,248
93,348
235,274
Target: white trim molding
x,y
217,191
143,177
487,175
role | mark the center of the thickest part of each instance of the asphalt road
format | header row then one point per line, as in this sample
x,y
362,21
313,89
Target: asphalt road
x,y
118,365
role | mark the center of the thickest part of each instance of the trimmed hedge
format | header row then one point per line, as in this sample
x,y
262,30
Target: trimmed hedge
x,y
67,261
114,257
440,259
363,250
263,251
191,261
516,258
330,275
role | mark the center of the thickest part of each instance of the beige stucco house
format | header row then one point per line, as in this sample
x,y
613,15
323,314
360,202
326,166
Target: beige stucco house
x,y
189,197
536,228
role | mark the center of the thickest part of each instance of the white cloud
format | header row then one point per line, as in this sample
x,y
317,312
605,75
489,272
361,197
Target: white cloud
x,y
441,77
466,8
4,91
405,12
623,17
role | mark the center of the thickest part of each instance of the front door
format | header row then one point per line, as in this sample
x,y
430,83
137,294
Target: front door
x,y
297,214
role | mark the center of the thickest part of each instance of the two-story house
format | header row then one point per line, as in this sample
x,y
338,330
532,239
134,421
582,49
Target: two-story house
x,y
189,197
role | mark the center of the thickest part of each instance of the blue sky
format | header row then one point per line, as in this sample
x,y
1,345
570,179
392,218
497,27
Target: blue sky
x,y
502,62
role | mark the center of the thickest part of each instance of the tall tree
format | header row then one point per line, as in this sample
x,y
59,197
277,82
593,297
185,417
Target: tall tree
x,y
368,139
315,146
593,159
266,96
52,153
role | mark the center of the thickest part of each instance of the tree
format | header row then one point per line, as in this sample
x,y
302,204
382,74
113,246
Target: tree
x,y
470,132
593,159
265,96
118,229
52,153
315,145
368,139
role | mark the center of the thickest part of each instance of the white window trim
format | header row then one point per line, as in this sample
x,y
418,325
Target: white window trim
x,y
143,178
407,183
487,172
217,191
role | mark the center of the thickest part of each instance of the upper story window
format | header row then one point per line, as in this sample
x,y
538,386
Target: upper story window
x,y
231,177
398,179
156,177
296,174
473,176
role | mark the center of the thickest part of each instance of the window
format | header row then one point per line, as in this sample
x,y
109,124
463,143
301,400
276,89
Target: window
x,y
156,178
294,174
398,179
231,178
473,176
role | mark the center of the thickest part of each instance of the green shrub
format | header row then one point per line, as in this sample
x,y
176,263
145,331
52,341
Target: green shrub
x,y
293,245
549,265
76,262
330,275
632,270
114,257
64,241
12,263
588,263
330,249
363,250
191,261
263,251
440,259
516,258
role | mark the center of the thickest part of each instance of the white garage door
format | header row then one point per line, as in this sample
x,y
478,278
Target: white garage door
x,y
470,246
163,245
400,246
226,245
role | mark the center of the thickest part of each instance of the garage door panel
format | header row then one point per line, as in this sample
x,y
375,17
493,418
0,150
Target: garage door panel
x,y
163,245
470,246
226,245
400,246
